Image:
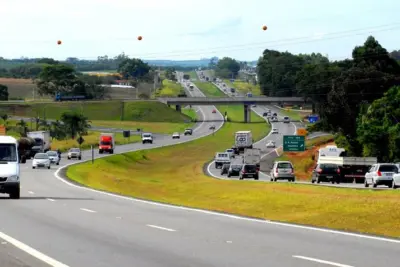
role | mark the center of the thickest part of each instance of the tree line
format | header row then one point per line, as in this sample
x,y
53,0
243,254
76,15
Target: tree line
x,y
346,94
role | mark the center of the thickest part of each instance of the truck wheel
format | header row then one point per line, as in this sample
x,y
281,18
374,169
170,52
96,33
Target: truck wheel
x,y
100,151
80,158
256,178
58,163
216,166
112,151
48,167
151,142
15,194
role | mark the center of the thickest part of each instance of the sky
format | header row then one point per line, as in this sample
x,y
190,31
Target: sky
x,y
193,29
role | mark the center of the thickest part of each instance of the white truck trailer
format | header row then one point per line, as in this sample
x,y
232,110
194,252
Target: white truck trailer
x,y
352,169
243,140
42,141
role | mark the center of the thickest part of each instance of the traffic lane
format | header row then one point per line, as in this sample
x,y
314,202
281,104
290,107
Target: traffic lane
x,y
209,229
10,256
86,239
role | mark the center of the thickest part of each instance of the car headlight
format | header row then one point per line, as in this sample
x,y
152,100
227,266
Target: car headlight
x,y
13,178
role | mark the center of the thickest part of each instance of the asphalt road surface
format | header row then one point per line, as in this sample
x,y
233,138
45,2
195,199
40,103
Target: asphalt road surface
x,y
269,154
69,226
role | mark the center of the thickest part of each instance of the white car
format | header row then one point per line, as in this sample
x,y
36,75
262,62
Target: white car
x,y
270,144
274,131
53,156
41,160
176,136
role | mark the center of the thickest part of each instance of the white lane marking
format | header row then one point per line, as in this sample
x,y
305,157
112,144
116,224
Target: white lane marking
x,y
31,251
30,192
88,210
322,261
119,218
161,228
50,199
229,242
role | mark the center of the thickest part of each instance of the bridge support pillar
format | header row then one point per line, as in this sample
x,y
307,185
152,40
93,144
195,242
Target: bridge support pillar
x,y
247,113
178,108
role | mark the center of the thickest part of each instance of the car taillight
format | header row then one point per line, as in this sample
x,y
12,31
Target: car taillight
x,y
243,171
379,173
258,169
291,171
319,170
338,171
276,170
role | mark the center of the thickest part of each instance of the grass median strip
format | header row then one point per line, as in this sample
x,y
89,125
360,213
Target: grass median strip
x,y
175,175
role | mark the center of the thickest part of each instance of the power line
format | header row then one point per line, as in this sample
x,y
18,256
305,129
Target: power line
x,y
268,44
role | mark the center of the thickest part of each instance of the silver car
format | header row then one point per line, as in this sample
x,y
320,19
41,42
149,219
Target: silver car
x,y
74,153
54,158
282,170
381,174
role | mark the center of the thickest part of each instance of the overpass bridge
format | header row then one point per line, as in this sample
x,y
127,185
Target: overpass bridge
x,y
245,101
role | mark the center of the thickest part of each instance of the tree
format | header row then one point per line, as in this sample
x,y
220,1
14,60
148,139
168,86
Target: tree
x,y
170,74
133,69
227,68
3,92
57,78
49,61
379,127
75,123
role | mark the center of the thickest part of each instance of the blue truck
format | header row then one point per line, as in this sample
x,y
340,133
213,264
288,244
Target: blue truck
x,y
59,97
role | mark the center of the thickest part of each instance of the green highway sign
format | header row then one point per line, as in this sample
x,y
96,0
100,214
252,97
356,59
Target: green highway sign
x,y
294,143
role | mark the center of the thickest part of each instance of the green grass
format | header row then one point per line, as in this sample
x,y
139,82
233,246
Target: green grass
x,y
236,113
244,87
293,115
209,89
91,139
144,111
170,89
180,180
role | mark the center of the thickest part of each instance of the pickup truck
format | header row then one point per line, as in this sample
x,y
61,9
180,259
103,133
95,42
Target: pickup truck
x,y
222,158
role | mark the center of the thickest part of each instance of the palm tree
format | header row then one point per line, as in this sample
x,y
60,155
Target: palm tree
x,y
22,125
75,123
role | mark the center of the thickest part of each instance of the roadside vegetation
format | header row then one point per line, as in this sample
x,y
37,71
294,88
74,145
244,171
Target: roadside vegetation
x,y
180,180
209,89
244,87
304,162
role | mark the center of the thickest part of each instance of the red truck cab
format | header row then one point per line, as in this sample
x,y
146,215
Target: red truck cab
x,y
106,143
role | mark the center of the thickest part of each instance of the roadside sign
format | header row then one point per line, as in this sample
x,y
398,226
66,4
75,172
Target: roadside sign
x,y
313,118
294,143
3,130
302,131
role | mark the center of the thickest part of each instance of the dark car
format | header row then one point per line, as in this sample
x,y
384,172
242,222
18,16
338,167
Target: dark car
x,y
234,170
188,132
225,168
265,114
249,171
326,173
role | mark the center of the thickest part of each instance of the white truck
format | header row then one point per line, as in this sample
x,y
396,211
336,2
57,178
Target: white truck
x,y
147,138
352,169
243,140
222,158
252,156
42,141
9,167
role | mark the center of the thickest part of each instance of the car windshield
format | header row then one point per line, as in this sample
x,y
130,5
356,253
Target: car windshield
x,y
229,150
284,165
236,167
77,149
286,118
146,135
388,168
52,153
41,156
8,152
222,155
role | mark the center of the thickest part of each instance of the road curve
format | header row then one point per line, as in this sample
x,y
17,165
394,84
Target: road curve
x,y
269,155
69,226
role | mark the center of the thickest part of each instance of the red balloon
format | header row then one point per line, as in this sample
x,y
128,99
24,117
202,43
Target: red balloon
x,y
59,42
265,28
140,38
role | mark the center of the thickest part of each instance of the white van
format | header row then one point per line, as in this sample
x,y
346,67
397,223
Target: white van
x,y
9,167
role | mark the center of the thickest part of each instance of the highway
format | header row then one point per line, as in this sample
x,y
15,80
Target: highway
x,y
270,154
66,225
